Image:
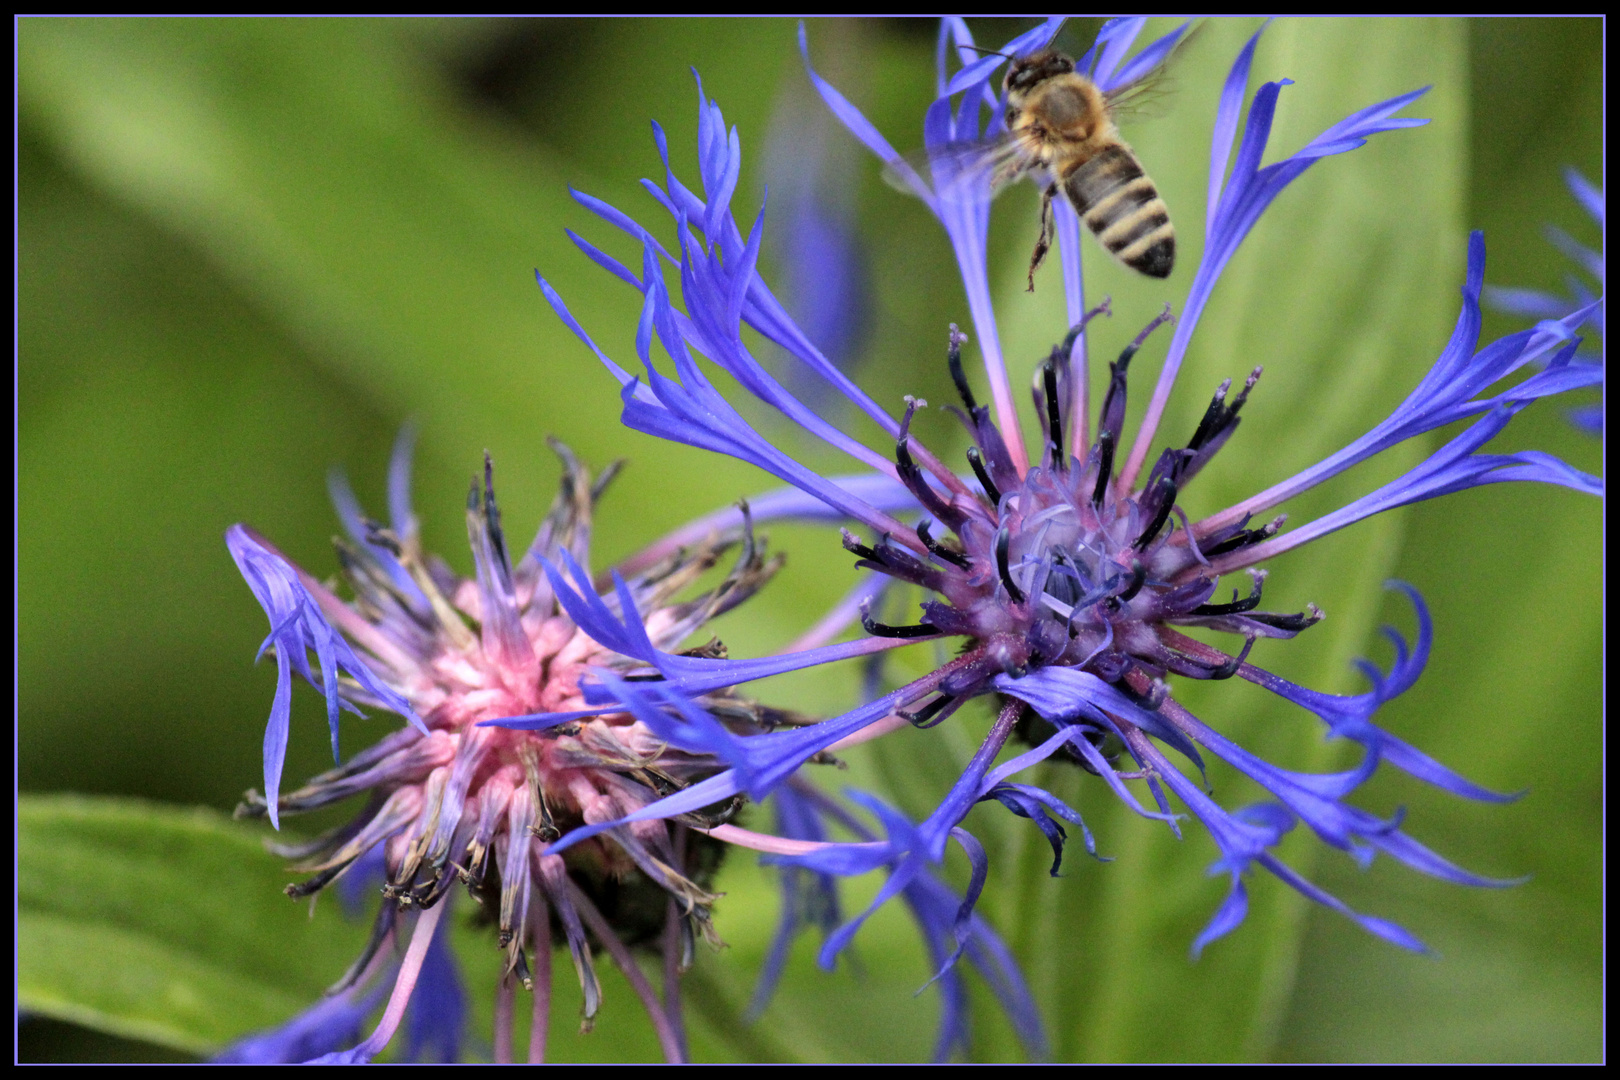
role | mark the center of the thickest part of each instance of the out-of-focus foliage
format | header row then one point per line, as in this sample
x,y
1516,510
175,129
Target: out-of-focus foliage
x,y
250,249
163,924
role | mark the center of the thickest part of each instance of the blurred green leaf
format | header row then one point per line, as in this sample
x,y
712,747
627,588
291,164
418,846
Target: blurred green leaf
x,y
1513,696
163,924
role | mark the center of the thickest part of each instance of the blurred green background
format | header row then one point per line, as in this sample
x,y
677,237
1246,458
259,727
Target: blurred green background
x,y
250,249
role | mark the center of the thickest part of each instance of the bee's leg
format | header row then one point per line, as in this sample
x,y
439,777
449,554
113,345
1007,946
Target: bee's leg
x,y
1043,243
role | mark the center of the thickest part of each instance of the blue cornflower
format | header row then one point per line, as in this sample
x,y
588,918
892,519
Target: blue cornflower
x,y
453,801
1067,577
1534,304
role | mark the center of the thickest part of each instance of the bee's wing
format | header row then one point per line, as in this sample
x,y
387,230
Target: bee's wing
x,y
955,170
1145,99
1148,97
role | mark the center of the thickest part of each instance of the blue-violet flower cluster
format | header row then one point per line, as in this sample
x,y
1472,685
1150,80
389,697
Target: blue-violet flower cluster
x,y
1066,571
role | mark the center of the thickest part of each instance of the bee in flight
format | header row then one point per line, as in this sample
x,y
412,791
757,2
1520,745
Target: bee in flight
x,y
1060,128
1059,122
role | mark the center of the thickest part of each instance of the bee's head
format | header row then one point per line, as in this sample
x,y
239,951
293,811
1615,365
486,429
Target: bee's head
x,y
1026,72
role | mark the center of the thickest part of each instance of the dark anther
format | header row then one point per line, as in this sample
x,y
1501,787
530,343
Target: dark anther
x,y
924,717
661,784
855,547
1231,543
1215,418
1236,607
1105,467
546,827
315,884
955,558
713,649
877,629
976,460
1221,418
1134,586
472,875
492,514
894,561
912,477
902,457
1062,580
1003,538
430,892
715,814
1295,623
1111,418
1245,537
1230,668
381,536
953,357
1054,416
1067,345
1167,498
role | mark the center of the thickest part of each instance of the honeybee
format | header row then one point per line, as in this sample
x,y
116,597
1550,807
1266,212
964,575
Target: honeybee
x,y
1059,123
1060,128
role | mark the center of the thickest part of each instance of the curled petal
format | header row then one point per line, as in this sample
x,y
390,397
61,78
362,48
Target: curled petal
x,y
296,627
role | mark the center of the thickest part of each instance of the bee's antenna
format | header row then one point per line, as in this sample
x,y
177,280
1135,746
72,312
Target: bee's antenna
x,y
987,52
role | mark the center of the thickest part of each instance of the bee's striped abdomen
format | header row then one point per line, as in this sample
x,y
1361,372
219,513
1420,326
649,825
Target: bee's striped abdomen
x,y
1122,207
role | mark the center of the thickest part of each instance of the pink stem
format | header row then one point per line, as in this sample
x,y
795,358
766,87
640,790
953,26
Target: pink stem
x,y
875,730
668,1040
984,324
505,991
1068,231
672,970
540,1022
409,971
1079,400
774,845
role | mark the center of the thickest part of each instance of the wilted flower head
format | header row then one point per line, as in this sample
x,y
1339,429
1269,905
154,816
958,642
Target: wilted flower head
x,y
1069,574
453,801
1538,305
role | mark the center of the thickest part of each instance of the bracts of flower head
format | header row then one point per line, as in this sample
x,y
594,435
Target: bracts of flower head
x,y
452,801
1068,579
1538,305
